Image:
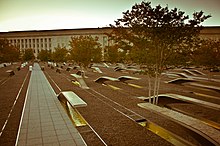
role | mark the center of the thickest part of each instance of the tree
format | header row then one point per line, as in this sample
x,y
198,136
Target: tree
x,y
45,55
60,54
154,34
85,50
8,53
28,55
114,54
207,53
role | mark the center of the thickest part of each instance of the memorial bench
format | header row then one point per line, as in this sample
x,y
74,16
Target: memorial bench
x,y
102,79
73,99
126,78
59,70
79,80
10,72
208,132
42,68
18,68
69,68
96,69
180,81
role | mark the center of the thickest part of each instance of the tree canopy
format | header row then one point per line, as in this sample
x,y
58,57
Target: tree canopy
x,y
8,53
85,50
60,54
45,55
28,55
207,53
152,35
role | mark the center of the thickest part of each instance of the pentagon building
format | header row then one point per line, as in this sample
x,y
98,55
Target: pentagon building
x,y
50,39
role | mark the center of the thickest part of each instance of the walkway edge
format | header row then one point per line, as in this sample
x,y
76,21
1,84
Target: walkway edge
x,y
22,115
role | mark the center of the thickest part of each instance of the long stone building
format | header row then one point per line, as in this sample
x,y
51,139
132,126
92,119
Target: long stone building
x,y
50,39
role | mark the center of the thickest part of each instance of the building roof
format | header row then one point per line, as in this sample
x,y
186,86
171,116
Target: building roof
x,y
207,30
55,32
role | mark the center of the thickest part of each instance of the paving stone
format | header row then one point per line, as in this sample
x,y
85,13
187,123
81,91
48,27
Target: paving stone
x,y
45,122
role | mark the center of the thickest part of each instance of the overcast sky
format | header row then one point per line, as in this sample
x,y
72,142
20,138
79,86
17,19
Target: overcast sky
x,y
16,15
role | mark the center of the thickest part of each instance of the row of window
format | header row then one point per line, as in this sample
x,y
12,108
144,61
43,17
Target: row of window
x,y
45,43
38,40
31,43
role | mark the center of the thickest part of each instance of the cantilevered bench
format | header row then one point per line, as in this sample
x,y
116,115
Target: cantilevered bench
x,y
126,78
69,68
11,72
103,79
180,81
80,80
42,68
73,99
210,133
59,70
186,99
96,69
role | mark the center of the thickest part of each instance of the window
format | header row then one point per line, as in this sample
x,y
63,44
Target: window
x,y
105,41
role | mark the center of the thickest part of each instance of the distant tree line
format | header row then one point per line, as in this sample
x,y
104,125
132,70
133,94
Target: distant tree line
x,y
10,53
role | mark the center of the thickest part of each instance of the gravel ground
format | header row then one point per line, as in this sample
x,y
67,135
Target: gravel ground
x,y
115,128
9,89
104,115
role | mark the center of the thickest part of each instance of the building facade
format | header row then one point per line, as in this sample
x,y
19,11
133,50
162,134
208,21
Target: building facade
x,y
50,39
211,32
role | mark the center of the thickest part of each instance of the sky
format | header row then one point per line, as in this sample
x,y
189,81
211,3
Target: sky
x,y
20,15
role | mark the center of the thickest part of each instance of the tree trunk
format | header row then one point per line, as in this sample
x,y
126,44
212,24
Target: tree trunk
x,y
158,87
155,89
149,88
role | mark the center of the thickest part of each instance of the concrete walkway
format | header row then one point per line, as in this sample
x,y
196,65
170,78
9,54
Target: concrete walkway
x,y
44,120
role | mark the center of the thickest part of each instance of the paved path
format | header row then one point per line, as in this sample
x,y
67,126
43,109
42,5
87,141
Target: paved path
x,y
44,121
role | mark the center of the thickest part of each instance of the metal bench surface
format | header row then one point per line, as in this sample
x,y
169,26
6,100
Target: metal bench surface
x,y
72,98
